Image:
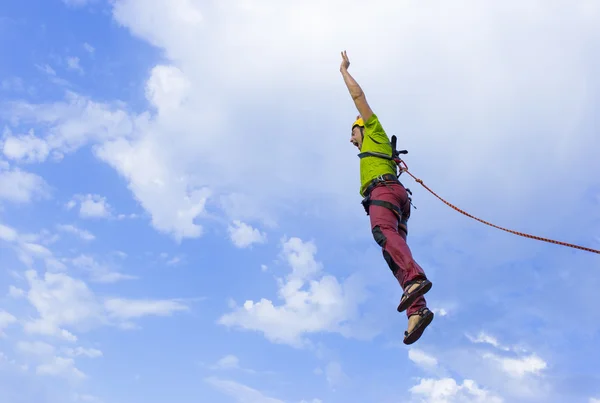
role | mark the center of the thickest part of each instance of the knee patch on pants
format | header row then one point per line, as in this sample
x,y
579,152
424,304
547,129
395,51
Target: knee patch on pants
x,y
378,236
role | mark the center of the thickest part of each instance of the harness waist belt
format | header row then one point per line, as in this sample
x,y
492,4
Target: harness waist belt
x,y
379,180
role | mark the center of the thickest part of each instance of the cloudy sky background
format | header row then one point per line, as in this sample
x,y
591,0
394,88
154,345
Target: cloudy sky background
x,y
179,208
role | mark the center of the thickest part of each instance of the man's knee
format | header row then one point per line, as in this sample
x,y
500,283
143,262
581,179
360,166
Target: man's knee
x,y
378,236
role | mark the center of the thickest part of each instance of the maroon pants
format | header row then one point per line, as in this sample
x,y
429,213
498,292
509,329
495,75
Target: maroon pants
x,y
385,228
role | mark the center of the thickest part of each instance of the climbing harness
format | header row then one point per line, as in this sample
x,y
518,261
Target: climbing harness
x,y
403,167
386,180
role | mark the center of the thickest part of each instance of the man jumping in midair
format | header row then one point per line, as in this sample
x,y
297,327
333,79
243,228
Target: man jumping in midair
x,y
388,205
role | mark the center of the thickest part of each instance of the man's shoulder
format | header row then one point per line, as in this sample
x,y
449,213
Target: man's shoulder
x,y
372,120
373,127
373,123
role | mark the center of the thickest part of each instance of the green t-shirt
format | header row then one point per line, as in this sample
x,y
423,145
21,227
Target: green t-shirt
x,y
375,140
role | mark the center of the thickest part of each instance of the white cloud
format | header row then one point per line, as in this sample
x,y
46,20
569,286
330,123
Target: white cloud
x,y
121,254
55,265
485,338
519,367
46,68
334,374
440,311
60,367
73,64
15,292
24,148
167,88
173,261
594,400
173,203
125,216
83,234
446,390
60,301
325,306
514,367
241,393
49,363
86,352
98,272
243,235
36,249
421,358
19,186
52,76
73,123
127,308
37,348
27,248
228,362
43,236
86,398
6,319
7,233
64,302
111,277
77,3
231,362
92,206
89,48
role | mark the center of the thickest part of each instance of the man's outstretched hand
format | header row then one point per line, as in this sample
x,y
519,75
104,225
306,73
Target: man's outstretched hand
x,y
345,61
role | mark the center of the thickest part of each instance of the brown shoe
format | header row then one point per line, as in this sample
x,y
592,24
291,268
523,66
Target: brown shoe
x,y
425,318
412,292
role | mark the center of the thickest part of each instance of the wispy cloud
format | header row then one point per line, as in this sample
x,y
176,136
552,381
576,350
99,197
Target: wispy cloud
x,y
99,272
83,234
66,305
89,48
422,359
6,319
240,392
73,64
19,186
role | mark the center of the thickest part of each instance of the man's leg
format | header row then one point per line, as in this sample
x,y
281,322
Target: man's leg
x,y
384,225
420,302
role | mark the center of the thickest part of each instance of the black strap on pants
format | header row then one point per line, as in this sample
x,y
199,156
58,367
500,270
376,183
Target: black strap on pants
x,y
367,201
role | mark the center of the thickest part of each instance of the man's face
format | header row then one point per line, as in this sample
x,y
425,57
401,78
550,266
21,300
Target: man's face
x,y
356,137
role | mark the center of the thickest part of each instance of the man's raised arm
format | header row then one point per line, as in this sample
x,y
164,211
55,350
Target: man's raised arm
x,y
358,96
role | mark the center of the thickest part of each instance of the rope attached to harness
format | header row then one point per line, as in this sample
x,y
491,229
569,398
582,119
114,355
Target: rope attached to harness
x,y
405,169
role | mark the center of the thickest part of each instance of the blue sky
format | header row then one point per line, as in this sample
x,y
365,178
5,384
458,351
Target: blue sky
x,y
179,208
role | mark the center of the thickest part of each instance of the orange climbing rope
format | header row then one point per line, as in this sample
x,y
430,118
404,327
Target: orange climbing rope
x,y
405,169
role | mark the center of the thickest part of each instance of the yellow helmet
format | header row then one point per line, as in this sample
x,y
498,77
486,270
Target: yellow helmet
x,y
358,122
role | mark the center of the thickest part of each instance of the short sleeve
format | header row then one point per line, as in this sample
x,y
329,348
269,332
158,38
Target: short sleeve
x,y
375,131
